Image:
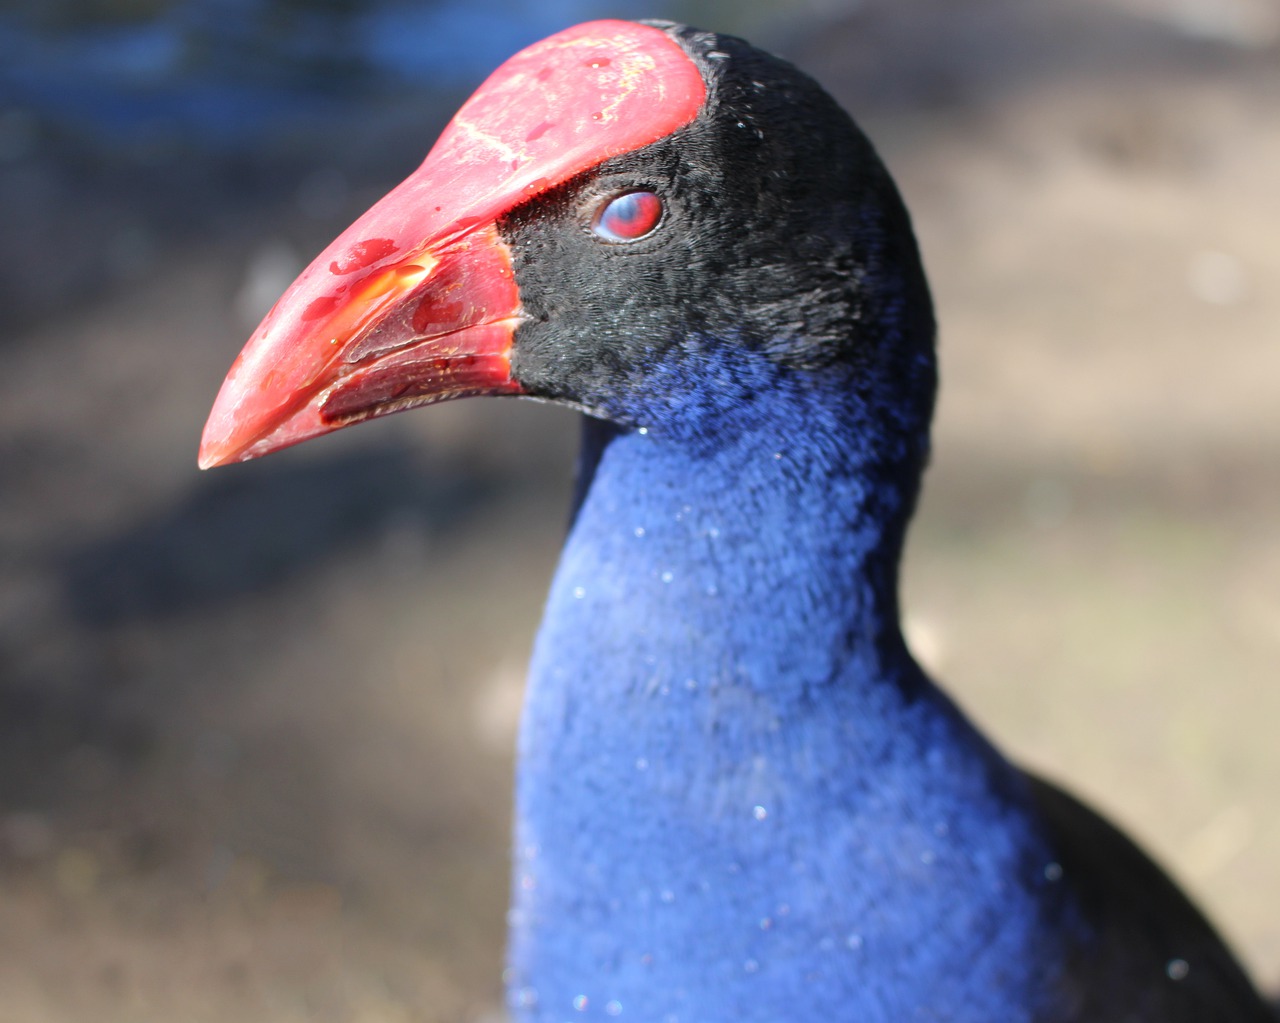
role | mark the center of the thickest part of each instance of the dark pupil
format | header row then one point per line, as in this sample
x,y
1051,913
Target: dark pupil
x,y
630,216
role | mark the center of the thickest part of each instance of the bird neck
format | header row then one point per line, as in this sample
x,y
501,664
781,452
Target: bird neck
x,y
724,733
767,557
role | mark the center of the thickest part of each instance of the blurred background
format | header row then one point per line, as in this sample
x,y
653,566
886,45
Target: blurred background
x,y
256,725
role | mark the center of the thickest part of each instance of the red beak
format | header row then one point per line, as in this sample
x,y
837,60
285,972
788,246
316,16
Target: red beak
x,y
416,301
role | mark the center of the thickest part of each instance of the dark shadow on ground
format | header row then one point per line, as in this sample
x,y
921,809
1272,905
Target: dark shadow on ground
x,y
242,532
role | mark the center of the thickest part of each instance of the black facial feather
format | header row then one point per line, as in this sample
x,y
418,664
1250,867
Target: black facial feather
x,y
782,229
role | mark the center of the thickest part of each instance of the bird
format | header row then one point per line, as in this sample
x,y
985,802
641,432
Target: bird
x,y
738,795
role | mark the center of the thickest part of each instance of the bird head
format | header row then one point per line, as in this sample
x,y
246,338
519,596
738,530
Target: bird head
x,y
648,222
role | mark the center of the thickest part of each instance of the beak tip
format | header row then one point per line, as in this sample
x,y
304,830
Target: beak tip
x,y
210,457
216,450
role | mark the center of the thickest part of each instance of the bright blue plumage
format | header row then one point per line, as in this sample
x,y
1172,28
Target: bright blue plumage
x,y
738,796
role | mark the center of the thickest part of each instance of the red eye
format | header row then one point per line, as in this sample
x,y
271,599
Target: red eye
x,y
628,217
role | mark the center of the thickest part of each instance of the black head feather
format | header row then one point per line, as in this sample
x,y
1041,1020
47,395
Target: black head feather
x,y
783,242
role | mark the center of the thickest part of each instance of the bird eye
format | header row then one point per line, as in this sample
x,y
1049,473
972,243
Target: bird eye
x,y
628,217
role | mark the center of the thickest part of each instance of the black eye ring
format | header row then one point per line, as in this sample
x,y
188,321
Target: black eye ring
x,y
628,217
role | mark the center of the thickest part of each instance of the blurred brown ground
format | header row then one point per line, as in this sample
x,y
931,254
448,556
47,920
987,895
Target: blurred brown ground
x,y
255,726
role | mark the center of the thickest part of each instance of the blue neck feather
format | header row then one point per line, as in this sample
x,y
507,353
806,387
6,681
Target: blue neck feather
x,y
738,796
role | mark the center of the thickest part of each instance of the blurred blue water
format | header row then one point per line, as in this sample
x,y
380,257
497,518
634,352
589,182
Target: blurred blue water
x,y
219,73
